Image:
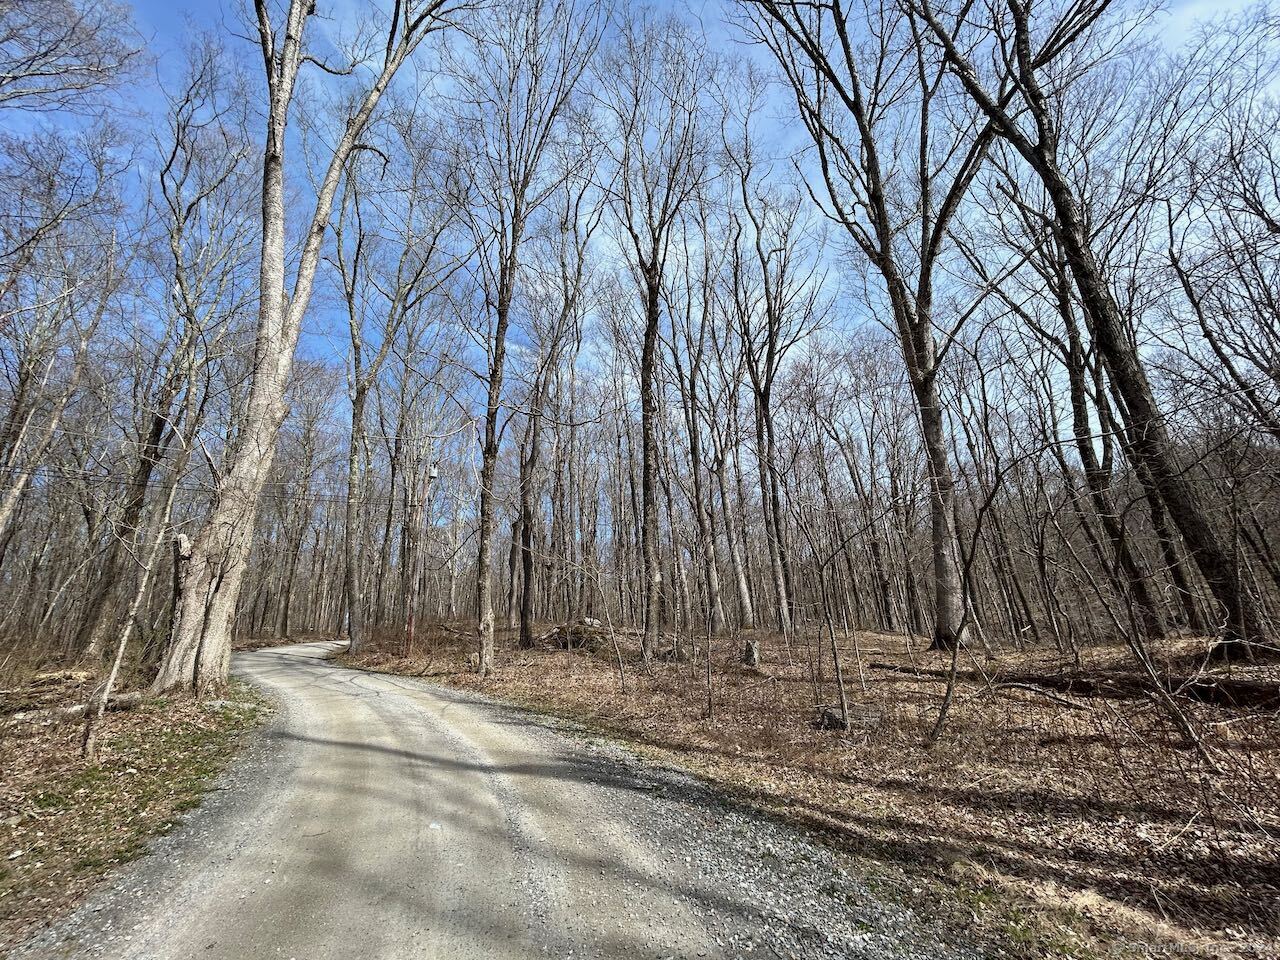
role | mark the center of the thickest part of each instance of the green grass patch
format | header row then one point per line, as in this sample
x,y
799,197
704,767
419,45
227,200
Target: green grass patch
x,y
64,823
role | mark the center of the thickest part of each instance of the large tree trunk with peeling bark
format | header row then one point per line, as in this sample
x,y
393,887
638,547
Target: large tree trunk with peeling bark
x,y
200,649
199,652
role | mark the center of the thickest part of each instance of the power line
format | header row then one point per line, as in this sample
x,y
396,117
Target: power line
x,y
327,497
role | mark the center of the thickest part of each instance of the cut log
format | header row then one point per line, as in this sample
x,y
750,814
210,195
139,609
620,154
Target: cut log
x,y
828,717
579,635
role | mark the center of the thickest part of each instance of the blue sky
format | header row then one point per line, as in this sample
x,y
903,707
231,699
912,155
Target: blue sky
x,y
165,20
166,23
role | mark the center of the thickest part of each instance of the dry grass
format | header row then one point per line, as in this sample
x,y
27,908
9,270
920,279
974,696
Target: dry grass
x,y
1067,831
64,822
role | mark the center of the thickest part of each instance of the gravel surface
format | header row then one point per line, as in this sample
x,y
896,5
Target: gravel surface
x,y
384,817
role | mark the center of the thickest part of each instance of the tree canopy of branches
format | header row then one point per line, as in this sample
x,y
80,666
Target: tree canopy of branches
x,y
926,317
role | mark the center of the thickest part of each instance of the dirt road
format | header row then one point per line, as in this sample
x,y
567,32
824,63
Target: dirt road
x,y
380,817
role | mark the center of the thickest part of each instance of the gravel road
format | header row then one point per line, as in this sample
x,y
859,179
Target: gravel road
x,y
380,818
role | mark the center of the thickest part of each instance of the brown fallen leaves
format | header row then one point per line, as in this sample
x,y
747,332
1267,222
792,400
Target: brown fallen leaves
x,y
64,822
1056,831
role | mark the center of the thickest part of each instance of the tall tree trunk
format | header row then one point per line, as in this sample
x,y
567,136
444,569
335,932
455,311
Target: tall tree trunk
x,y
649,471
488,469
528,466
948,589
746,608
353,530
200,649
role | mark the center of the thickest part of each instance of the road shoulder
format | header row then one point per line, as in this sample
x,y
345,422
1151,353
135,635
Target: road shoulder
x,y
70,829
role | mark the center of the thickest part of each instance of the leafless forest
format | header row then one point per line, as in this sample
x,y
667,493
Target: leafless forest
x,y
956,321
757,327
800,365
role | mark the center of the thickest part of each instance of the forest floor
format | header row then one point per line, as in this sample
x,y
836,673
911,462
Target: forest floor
x,y
65,822
1071,818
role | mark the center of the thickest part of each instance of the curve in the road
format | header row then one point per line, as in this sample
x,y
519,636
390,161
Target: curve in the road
x,y
382,818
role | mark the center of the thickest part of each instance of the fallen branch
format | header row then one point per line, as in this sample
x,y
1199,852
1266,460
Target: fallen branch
x,y
1217,691
1040,691
125,701
61,676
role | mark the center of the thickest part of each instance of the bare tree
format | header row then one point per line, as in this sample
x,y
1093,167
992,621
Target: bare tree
x,y
777,300
895,162
652,89
199,650
557,315
56,54
202,203
526,67
390,238
1037,57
